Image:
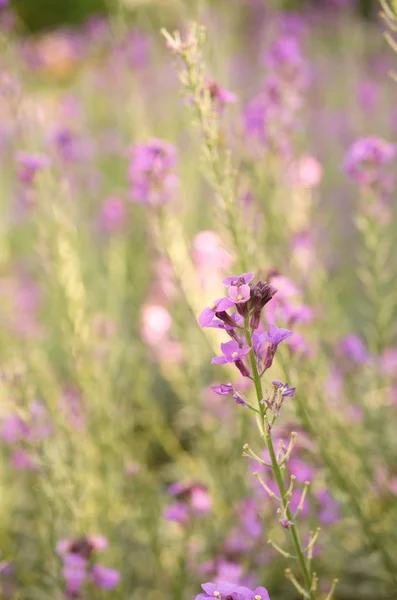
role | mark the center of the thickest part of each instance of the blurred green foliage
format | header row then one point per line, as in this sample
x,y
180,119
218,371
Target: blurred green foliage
x,y
45,14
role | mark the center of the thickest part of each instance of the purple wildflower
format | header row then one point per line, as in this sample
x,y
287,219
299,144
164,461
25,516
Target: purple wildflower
x,y
150,173
365,159
29,165
239,293
178,512
233,352
231,591
220,96
275,336
208,314
104,577
286,523
353,347
285,390
223,389
13,429
113,214
216,590
193,498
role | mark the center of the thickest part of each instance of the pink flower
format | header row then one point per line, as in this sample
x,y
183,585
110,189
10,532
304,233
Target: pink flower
x,y
156,323
239,293
200,499
306,172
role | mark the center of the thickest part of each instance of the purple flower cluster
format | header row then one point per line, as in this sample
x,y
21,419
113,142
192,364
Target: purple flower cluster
x,y
79,569
151,174
220,96
20,435
365,162
231,591
191,499
249,301
29,165
271,116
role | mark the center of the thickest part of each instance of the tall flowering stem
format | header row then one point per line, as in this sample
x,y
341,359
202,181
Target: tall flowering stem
x,y
389,15
252,350
209,101
265,430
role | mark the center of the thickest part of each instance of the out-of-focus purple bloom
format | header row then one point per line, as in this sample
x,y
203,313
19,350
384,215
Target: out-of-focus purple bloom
x,y
75,573
301,313
305,172
329,507
365,159
22,461
150,172
300,469
104,577
13,429
41,426
29,165
220,96
250,522
255,117
353,347
193,498
389,362
113,213
67,144
232,352
208,314
223,389
368,95
200,500
286,60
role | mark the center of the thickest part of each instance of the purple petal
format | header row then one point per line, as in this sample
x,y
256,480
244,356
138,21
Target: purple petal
x,y
104,577
206,317
219,360
224,304
223,389
247,277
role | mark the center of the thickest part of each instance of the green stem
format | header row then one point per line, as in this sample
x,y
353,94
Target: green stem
x,y
267,436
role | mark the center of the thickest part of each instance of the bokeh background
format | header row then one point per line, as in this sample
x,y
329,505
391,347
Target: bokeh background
x,y
106,376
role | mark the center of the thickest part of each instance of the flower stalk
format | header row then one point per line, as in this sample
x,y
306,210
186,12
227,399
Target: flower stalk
x,y
265,431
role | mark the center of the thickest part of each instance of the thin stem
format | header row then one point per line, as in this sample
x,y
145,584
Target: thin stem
x,y
266,434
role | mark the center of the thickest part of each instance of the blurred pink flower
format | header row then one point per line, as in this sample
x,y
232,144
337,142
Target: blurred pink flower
x,y
305,172
113,213
156,323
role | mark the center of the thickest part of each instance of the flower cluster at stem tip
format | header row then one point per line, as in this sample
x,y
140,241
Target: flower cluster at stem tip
x,y
248,299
